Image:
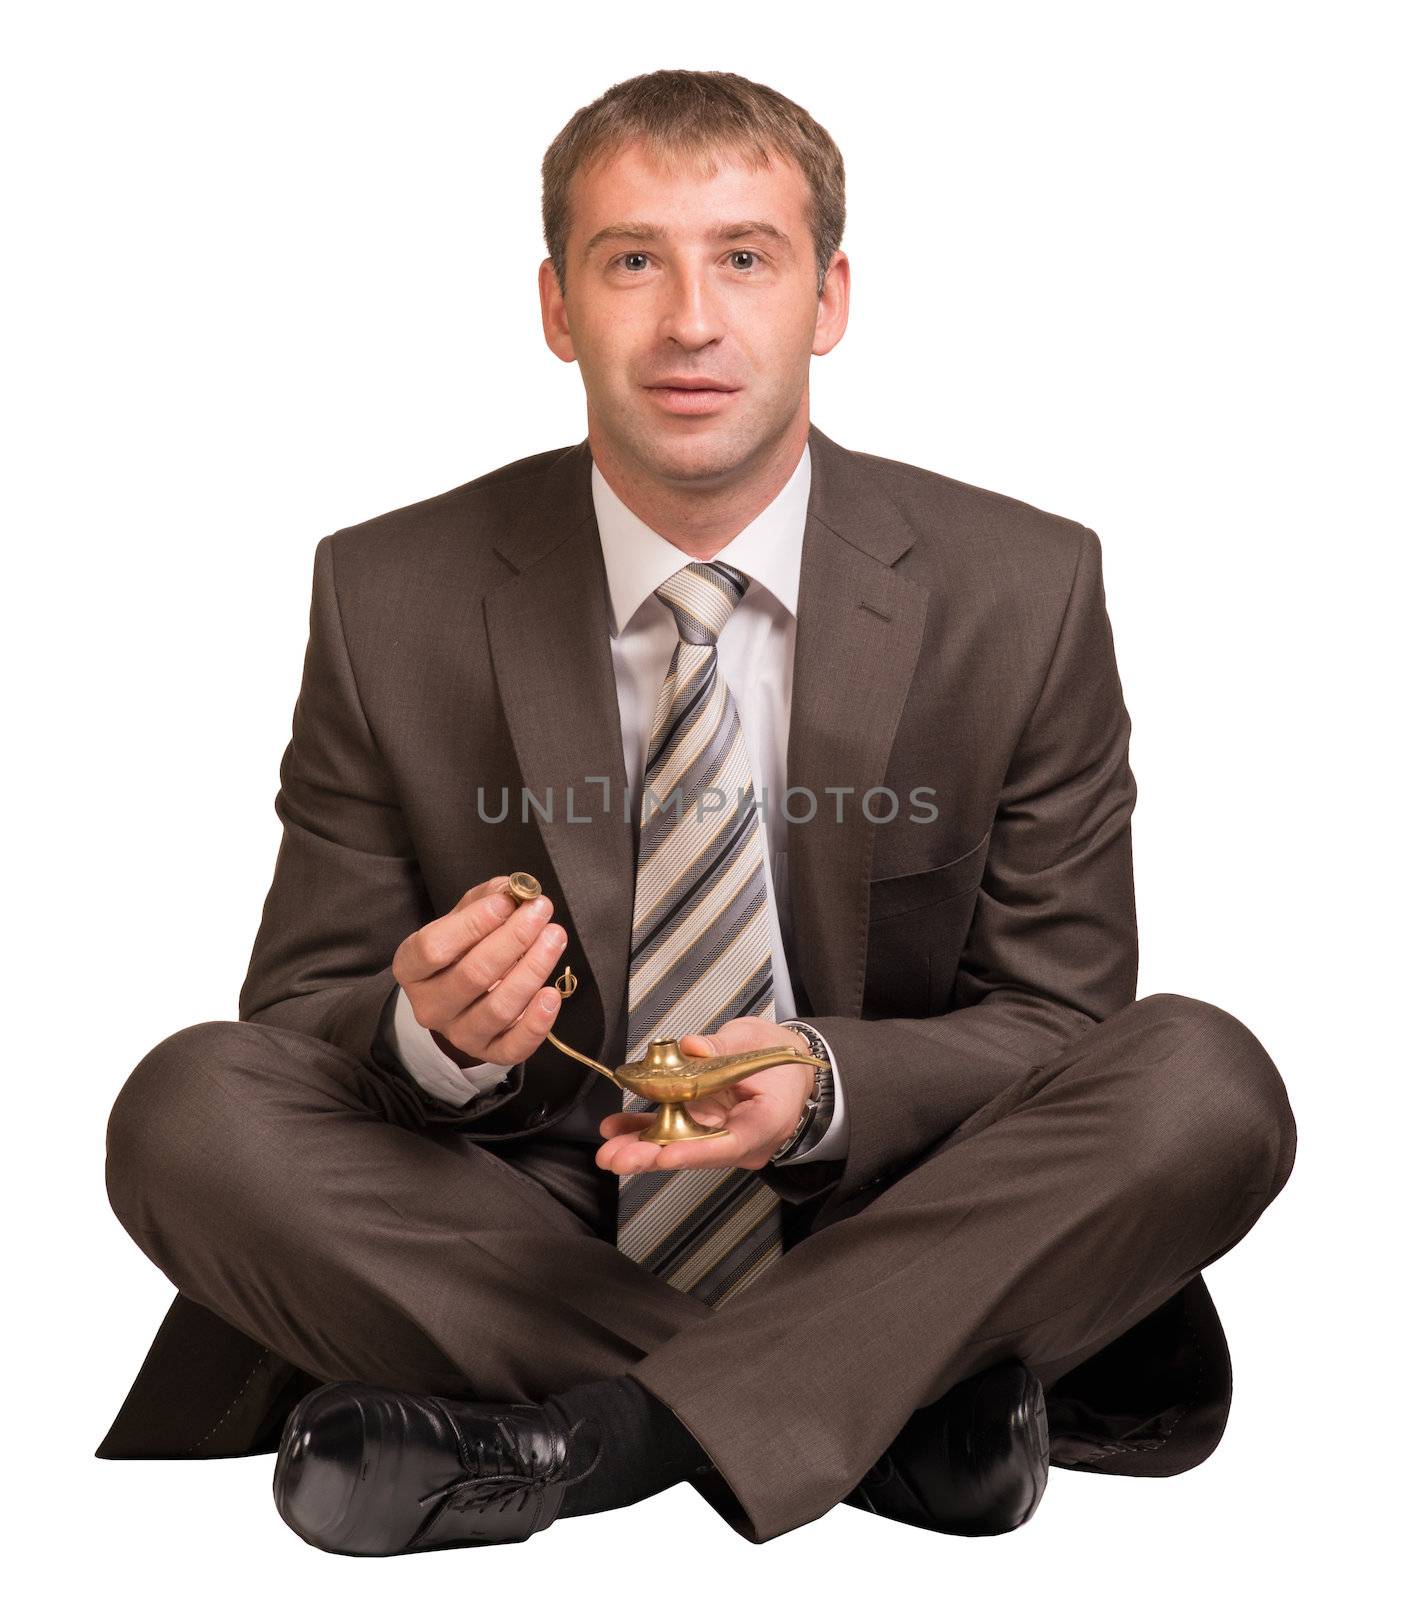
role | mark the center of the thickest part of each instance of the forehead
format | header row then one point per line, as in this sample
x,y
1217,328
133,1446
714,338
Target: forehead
x,y
686,192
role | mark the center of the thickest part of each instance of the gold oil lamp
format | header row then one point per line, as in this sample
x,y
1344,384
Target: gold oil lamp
x,y
664,1073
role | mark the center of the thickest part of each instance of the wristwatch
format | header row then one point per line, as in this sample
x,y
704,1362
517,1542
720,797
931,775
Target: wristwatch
x,y
816,1112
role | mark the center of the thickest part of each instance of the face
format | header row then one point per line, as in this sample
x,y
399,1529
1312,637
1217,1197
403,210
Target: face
x,y
677,276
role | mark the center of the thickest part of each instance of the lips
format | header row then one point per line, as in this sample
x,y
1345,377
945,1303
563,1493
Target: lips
x,y
697,399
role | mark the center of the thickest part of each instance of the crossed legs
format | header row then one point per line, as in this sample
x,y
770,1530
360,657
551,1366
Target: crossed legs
x,y
257,1167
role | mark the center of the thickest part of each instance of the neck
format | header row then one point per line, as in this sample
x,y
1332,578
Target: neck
x,y
700,519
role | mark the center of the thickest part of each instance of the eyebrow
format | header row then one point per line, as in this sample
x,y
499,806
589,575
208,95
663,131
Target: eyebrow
x,y
649,232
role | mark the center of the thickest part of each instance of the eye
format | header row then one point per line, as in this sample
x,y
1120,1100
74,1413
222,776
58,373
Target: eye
x,y
750,254
633,255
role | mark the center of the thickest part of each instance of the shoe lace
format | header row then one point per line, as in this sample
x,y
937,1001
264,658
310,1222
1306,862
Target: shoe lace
x,y
495,1476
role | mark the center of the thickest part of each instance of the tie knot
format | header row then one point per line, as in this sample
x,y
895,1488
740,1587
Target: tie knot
x,y
702,597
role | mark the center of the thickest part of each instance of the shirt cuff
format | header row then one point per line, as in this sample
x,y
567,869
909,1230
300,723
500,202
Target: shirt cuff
x,y
428,1064
833,1143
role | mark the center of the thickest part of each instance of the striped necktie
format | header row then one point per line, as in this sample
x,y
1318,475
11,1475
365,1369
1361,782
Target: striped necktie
x,y
701,952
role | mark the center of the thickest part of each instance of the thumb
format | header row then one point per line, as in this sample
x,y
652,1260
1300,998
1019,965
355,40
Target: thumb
x,y
712,1111
697,1044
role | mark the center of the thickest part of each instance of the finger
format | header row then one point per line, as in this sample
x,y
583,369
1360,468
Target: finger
x,y
481,890
511,1019
441,998
441,942
628,1152
711,1112
625,1122
725,1149
528,1030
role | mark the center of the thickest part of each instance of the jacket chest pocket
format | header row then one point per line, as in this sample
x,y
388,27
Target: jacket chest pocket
x,y
917,925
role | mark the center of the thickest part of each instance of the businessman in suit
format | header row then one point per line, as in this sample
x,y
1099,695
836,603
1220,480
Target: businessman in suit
x,y
961,1236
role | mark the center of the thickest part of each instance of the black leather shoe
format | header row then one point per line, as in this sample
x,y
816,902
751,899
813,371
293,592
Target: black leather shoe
x,y
364,1471
974,1462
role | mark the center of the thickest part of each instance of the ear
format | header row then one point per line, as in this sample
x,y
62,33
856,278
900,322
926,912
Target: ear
x,y
554,309
833,308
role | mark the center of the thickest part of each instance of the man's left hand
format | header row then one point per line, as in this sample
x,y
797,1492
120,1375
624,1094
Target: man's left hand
x,y
759,1112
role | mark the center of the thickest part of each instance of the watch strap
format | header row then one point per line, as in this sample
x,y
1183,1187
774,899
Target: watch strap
x,y
820,1104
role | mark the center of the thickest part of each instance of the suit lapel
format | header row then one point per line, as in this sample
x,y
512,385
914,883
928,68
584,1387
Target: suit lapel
x,y
859,628
550,637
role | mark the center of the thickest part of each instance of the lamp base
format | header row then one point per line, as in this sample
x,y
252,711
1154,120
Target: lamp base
x,y
673,1122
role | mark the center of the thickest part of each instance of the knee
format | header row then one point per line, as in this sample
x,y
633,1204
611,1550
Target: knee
x,y
1215,1106
164,1122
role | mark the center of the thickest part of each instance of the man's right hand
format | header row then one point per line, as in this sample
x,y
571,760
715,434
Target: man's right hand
x,y
478,977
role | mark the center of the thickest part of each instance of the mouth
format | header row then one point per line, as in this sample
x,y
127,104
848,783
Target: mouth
x,y
690,397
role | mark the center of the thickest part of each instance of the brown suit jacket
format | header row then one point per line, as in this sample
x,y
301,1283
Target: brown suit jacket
x,y
953,648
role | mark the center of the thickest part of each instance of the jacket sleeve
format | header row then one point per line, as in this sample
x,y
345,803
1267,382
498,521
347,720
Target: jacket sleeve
x,y
1052,948
347,888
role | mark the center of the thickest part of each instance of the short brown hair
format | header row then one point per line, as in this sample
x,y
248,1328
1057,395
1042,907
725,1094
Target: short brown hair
x,y
697,114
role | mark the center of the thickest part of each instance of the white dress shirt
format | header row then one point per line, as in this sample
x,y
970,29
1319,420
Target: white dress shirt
x,y
755,657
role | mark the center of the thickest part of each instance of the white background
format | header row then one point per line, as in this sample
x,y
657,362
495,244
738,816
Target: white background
x,y
272,272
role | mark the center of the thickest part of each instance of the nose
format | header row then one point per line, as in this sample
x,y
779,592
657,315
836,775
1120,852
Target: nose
x,y
692,314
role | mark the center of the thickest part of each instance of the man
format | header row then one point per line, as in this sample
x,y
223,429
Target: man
x,y
959,1232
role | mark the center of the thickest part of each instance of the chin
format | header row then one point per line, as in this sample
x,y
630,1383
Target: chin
x,y
693,458
706,453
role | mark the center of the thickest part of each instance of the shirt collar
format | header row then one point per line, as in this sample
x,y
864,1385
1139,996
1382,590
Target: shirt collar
x,y
638,560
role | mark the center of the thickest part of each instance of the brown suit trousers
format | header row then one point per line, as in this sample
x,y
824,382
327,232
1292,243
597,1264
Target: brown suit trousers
x,y
1037,1164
